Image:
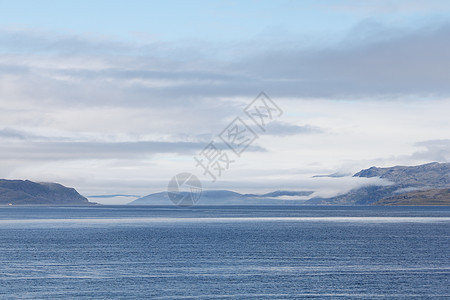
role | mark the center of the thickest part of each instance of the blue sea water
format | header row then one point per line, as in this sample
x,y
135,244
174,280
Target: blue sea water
x,y
132,252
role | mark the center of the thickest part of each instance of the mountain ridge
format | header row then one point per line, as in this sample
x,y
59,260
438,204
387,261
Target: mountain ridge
x,y
404,179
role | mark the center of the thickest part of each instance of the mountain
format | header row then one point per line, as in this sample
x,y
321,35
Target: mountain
x,y
25,192
404,179
224,197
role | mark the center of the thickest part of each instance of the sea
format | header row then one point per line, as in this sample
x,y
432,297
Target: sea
x,y
225,252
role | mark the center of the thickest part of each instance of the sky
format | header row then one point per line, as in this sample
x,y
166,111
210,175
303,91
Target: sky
x,y
117,97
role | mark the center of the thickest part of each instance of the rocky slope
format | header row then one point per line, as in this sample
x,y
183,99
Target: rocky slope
x,y
427,197
432,175
25,192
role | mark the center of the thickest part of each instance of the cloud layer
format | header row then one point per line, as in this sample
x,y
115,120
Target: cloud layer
x,y
371,61
94,111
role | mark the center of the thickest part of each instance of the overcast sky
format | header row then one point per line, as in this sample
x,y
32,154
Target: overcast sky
x,y
116,97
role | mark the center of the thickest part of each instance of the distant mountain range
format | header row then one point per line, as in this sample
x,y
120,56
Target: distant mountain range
x,y
410,186
224,197
25,192
426,184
